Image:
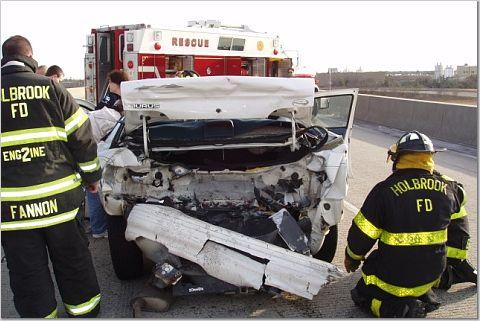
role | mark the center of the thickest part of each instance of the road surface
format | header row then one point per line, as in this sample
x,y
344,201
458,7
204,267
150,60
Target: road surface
x,y
368,154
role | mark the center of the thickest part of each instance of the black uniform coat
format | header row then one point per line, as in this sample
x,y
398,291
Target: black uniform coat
x,y
409,214
47,149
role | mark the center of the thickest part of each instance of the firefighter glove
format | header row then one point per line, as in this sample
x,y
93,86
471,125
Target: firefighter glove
x,y
351,265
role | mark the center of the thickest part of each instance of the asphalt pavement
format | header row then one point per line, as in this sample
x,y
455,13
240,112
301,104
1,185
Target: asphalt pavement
x,y
368,156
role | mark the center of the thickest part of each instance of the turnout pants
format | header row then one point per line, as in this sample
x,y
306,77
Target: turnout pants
x,y
30,280
384,305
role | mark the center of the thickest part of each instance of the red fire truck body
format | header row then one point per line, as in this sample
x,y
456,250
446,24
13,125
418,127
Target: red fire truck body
x,y
206,47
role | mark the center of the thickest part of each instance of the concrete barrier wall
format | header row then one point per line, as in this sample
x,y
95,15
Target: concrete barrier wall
x,y
452,123
77,92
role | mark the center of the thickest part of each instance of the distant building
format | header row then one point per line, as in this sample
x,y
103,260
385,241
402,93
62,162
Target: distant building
x,y
465,71
448,72
439,71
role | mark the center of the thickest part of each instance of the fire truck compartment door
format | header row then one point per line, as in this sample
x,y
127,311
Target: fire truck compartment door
x,y
105,62
217,97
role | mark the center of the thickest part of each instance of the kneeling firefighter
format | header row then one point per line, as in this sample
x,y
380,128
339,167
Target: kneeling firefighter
x,y
419,218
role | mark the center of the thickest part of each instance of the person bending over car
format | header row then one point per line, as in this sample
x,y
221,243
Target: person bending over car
x,y
103,119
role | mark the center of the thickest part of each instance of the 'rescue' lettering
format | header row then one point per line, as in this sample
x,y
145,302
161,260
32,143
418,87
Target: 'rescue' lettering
x,y
33,210
24,154
187,42
25,93
418,184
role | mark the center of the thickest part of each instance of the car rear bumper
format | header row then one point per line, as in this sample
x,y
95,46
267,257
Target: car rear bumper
x,y
220,252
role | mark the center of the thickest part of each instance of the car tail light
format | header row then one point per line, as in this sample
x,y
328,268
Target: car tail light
x,y
130,47
130,64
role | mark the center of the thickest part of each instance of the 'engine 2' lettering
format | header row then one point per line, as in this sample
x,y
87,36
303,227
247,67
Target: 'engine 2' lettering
x,y
24,154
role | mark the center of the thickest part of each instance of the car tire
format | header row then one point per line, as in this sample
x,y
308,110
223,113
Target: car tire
x,y
329,246
127,259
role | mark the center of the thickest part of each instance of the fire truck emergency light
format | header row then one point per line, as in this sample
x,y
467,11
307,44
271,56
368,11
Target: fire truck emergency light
x,y
129,36
157,46
130,64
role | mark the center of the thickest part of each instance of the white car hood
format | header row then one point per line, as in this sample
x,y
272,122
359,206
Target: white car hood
x,y
217,97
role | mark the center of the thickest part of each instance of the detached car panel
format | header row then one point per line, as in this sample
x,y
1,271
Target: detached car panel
x,y
213,248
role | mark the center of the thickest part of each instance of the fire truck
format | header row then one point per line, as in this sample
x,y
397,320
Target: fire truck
x,y
206,47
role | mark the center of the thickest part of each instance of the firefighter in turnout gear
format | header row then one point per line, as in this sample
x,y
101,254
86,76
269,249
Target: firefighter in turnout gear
x,y
419,219
47,152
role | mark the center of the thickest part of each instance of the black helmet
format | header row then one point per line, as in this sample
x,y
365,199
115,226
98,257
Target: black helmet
x,y
187,74
412,141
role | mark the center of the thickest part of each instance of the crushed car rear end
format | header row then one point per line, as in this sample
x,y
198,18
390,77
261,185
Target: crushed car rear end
x,y
227,183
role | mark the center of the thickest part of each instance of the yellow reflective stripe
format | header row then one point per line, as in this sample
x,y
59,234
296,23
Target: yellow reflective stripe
x,y
40,190
83,308
414,239
375,307
455,253
397,290
33,135
38,223
459,214
353,255
366,226
90,166
52,315
448,178
75,121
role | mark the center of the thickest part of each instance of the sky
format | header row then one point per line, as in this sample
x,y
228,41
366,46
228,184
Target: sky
x,y
347,35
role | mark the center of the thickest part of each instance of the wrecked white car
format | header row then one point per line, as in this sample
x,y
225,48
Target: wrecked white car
x,y
228,183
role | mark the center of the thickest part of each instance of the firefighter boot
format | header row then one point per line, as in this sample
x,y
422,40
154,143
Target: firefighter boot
x,y
403,309
446,280
359,300
464,272
416,309
431,301
457,272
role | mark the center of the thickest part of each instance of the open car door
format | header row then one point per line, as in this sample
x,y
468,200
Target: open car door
x,y
334,110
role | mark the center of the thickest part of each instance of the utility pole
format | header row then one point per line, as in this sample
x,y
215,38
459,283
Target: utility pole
x,y
330,78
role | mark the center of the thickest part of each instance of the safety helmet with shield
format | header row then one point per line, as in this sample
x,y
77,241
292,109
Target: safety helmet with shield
x,y
411,142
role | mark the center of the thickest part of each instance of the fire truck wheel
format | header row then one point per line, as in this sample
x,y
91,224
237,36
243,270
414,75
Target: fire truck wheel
x,y
127,259
329,246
